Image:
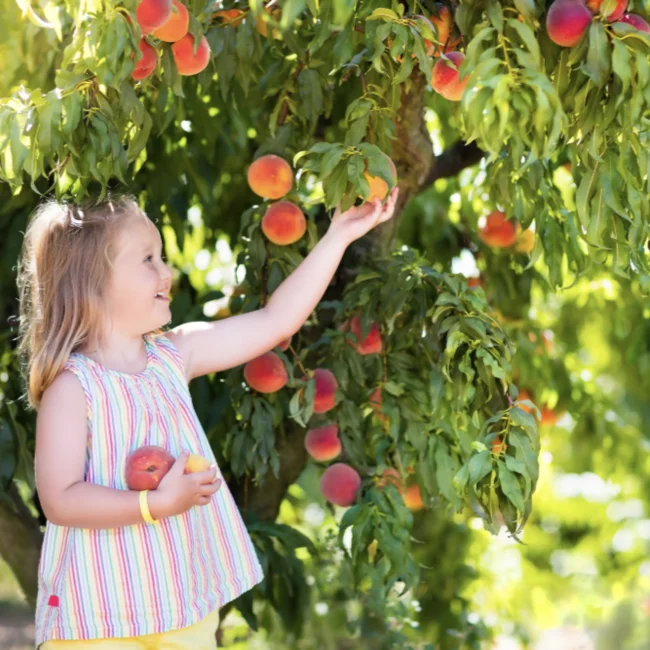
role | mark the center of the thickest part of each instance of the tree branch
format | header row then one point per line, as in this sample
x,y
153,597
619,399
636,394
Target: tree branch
x,y
452,161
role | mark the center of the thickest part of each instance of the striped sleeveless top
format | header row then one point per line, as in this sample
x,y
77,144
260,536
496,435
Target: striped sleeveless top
x,y
141,579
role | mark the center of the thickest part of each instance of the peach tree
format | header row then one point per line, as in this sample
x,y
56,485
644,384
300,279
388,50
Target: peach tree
x,y
517,133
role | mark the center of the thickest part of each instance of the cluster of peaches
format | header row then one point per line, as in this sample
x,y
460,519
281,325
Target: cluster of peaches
x,y
168,21
340,483
284,223
568,20
566,23
445,78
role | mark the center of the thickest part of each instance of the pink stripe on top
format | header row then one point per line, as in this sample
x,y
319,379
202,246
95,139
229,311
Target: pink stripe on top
x,y
141,579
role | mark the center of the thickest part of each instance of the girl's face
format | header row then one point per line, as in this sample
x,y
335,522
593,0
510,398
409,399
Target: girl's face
x,y
138,294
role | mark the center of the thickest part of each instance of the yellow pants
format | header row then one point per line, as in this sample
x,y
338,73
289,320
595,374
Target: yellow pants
x,y
200,636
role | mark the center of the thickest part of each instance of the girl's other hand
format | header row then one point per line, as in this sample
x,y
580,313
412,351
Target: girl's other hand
x,y
178,492
358,220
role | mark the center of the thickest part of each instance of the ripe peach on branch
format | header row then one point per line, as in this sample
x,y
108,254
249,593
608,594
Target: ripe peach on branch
x,y
567,21
499,231
325,389
446,79
176,26
152,14
340,484
270,177
266,373
189,62
147,63
284,223
322,443
370,344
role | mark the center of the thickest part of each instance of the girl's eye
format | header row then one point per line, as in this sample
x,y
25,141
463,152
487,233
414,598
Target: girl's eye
x,y
149,257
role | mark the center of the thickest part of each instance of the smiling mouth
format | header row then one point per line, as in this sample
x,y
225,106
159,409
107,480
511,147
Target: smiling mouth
x,y
160,296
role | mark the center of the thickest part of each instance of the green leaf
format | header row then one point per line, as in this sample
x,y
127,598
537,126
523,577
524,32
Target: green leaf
x,y
510,486
528,37
621,66
383,14
311,94
495,14
480,465
599,54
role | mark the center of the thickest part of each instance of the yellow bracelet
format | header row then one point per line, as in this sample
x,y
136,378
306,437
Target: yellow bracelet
x,y
144,508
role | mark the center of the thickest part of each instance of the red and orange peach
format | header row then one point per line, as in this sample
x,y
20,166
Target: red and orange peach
x,y
176,26
567,21
498,231
322,443
371,344
326,385
340,484
284,223
188,62
270,177
152,14
636,21
614,14
146,466
147,64
266,373
445,78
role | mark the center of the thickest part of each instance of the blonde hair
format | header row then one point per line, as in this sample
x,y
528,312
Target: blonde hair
x,y
63,271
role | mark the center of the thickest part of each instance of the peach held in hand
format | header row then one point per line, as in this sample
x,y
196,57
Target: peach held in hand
x,y
196,463
146,466
378,186
340,484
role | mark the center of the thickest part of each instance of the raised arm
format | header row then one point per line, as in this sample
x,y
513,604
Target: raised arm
x,y
213,346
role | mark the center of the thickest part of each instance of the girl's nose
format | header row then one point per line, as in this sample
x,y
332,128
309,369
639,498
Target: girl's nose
x,y
167,271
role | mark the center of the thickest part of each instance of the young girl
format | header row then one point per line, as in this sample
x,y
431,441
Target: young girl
x,y
120,568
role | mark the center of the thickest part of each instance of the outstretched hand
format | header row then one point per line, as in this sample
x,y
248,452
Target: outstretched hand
x,y
358,220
